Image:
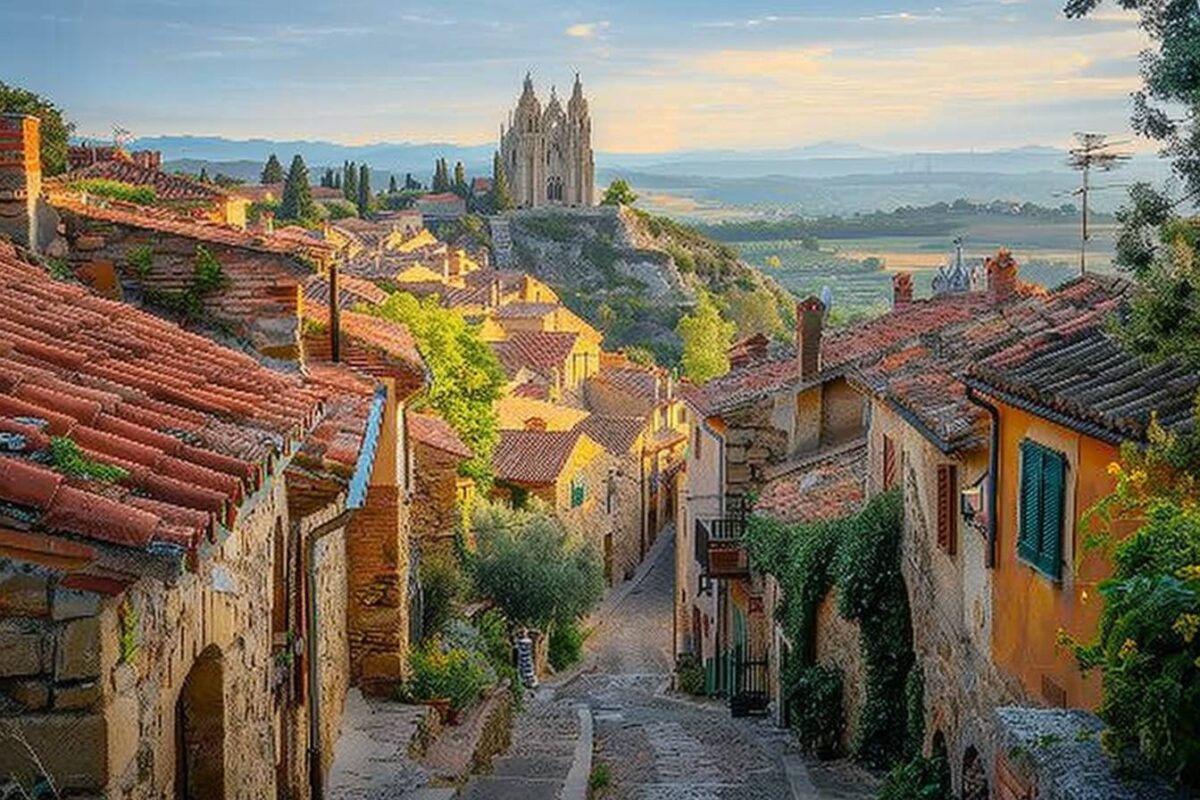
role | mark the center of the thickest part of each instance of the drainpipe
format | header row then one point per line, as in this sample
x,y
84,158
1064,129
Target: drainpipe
x,y
316,776
993,479
335,315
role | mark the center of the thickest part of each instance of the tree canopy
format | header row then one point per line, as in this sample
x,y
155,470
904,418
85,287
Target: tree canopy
x,y
55,129
619,194
297,203
364,190
272,170
467,377
528,565
499,196
706,340
460,179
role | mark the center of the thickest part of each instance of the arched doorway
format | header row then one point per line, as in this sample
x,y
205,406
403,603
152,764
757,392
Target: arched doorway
x,y
974,776
200,731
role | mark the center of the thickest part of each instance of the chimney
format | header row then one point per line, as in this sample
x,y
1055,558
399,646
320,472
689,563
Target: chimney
x,y
495,298
267,221
902,289
335,315
527,288
810,316
1001,275
20,178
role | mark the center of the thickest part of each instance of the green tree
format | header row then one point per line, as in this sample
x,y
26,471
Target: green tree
x,y
272,171
619,194
297,203
55,129
460,179
499,196
531,568
364,190
203,176
411,184
706,340
754,312
467,377
392,184
441,177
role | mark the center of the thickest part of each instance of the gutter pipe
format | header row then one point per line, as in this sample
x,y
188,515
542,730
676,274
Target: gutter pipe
x,y
993,479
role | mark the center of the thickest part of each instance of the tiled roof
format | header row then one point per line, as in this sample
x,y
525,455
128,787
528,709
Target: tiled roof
x,y
514,412
1082,378
480,185
533,457
390,340
538,351
147,219
165,185
823,488
196,427
640,382
524,310
351,291
536,391
510,279
447,198
615,434
333,446
435,432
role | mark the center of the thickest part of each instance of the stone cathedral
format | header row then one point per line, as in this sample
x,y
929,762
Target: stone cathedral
x,y
547,153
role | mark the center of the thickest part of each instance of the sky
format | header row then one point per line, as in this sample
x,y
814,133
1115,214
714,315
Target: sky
x,y
660,75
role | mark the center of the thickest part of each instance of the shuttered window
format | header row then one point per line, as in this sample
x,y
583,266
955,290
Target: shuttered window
x,y
889,462
1043,486
578,491
947,507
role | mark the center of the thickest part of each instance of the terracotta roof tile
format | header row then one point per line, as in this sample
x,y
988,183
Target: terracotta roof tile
x,y
166,186
195,426
524,310
616,434
823,488
351,291
538,351
391,340
435,432
533,457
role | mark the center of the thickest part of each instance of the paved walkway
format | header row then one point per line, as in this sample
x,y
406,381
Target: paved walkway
x,y
656,746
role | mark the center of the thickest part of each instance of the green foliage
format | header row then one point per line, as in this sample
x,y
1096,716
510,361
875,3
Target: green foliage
x,y
566,644
918,779
619,194
689,674
364,190
117,190
441,177
1147,646
914,705
207,277
754,312
340,208
127,636
207,274
817,708
442,671
499,196
642,356
443,584
60,269
706,340
296,202
531,568
459,187
67,458
467,377
55,130
860,556
141,260
272,170
600,779
350,181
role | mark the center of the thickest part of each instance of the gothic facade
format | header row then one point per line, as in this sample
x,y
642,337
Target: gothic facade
x,y
547,153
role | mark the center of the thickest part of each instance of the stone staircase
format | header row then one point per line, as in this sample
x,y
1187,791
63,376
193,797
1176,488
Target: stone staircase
x,y
502,250
536,765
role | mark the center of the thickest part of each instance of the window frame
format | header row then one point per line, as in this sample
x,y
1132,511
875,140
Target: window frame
x,y
1041,541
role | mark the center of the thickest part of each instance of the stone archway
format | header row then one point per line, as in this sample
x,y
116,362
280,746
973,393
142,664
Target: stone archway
x,y
200,730
974,776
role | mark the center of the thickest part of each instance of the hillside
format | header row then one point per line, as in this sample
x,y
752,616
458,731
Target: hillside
x,y
633,275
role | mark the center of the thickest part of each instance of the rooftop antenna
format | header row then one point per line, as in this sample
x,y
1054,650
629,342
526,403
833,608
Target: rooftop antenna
x,y
121,136
1093,151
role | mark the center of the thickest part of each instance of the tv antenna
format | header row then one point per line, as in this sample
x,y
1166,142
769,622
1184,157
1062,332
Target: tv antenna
x,y
1093,151
121,136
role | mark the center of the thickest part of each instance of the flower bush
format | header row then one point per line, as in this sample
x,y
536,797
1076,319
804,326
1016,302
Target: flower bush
x,y
443,671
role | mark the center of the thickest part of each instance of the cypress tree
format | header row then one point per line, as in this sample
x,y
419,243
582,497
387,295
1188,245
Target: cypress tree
x,y
499,198
337,180
203,175
460,179
364,190
392,184
297,202
350,184
273,171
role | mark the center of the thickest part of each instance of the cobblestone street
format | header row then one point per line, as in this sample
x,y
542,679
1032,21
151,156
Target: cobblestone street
x,y
653,745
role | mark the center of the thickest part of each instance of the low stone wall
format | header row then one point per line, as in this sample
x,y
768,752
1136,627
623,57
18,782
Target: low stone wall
x,y
837,640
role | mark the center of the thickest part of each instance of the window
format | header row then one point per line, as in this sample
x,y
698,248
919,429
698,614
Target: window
x,y
947,508
889,462
1043,484
578,491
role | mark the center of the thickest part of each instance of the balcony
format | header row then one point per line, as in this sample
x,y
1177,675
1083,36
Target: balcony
x,y
719,548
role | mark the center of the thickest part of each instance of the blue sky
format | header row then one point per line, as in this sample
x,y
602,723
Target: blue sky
x,y
661,74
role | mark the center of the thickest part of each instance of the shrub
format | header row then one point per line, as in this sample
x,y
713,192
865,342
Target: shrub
x,y
817,709
442,585
689,674
140,259
339,209
444,672
117,190
566,645
918,779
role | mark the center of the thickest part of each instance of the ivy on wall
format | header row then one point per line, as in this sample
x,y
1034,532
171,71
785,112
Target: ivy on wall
x,y
858,555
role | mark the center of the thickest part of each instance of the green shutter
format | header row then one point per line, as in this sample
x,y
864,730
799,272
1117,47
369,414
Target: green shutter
x,y
1043,483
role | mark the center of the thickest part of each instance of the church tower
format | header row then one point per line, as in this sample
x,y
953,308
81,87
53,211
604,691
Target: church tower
x,y
547,153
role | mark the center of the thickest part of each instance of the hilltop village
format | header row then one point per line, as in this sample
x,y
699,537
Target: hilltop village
x,y
350,507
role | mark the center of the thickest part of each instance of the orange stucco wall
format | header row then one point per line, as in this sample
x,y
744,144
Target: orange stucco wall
x,y
1028,607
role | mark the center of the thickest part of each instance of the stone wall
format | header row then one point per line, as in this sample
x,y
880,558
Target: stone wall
x,y
333,656
838,644
756,438
259,302
435,510
594,521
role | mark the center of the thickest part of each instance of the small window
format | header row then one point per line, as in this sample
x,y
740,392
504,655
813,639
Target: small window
x,y
889,462
578,491
1043,486
947,508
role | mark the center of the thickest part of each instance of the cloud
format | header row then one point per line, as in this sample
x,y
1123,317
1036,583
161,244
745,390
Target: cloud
x,y
587,30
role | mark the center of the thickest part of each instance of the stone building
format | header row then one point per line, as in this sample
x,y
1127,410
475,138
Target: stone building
x,y
441,497
547,153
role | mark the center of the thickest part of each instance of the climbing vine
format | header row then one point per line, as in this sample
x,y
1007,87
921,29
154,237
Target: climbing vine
x,y
860,557
208,276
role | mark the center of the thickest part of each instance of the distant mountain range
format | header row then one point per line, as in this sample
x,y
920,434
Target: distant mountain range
x,y
826,177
